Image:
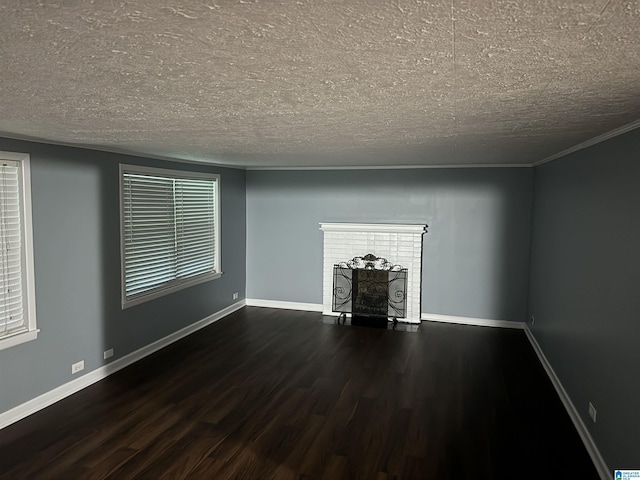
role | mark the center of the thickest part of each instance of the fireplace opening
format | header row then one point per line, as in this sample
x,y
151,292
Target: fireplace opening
x,y
370,289
370,292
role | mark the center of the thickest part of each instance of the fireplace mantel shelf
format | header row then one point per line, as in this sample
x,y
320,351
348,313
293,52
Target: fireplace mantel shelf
x,y
373,227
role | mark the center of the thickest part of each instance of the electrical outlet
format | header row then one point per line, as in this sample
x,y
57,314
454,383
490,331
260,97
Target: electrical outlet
x,y
108,353
533,320
76,367
592,412
235,296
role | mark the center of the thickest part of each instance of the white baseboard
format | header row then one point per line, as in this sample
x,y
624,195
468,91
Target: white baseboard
x,y
482,322
590,445
318,307
307,307
63,391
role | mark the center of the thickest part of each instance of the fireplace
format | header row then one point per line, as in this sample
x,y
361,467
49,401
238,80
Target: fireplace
x,y
370,286
399,244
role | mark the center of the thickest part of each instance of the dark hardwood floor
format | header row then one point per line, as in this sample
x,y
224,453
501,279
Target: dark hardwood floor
x,y
275,394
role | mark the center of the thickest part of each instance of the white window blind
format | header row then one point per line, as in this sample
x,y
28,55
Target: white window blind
x,y
169,228
195,226
12,318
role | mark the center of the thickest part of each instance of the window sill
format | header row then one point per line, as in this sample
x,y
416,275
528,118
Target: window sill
x,y
166,291
18,338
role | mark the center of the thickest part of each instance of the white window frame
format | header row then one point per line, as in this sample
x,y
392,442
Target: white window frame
x,y
178,285
30,330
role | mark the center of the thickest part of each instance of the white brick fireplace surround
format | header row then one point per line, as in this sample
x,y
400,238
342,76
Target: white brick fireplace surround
x,y
400,244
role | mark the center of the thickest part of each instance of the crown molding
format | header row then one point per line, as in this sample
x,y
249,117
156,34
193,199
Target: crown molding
x,y
117,151
595,140
390,167
121,151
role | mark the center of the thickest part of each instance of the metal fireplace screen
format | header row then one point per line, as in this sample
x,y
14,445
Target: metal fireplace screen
x,y
370,286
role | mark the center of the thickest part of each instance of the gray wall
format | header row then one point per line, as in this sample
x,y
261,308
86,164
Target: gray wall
x,y
585,276
77,269
476,251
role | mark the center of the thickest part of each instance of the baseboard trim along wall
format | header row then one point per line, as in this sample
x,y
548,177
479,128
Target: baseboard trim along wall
x,y
587,439
306,307
482,322
432,317
67,389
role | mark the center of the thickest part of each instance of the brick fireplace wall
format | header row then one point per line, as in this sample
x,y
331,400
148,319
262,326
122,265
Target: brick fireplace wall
x,y
400,244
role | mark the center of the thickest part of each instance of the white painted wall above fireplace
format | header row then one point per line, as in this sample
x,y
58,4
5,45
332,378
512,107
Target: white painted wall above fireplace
x,y
401,244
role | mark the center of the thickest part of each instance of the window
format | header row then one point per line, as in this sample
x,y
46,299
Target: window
x,y
169,231
17,300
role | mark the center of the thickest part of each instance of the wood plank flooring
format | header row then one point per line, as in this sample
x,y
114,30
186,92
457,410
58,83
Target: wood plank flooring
x,y
276,394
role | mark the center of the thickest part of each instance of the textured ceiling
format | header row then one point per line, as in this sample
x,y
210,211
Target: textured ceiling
x,y
318,83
